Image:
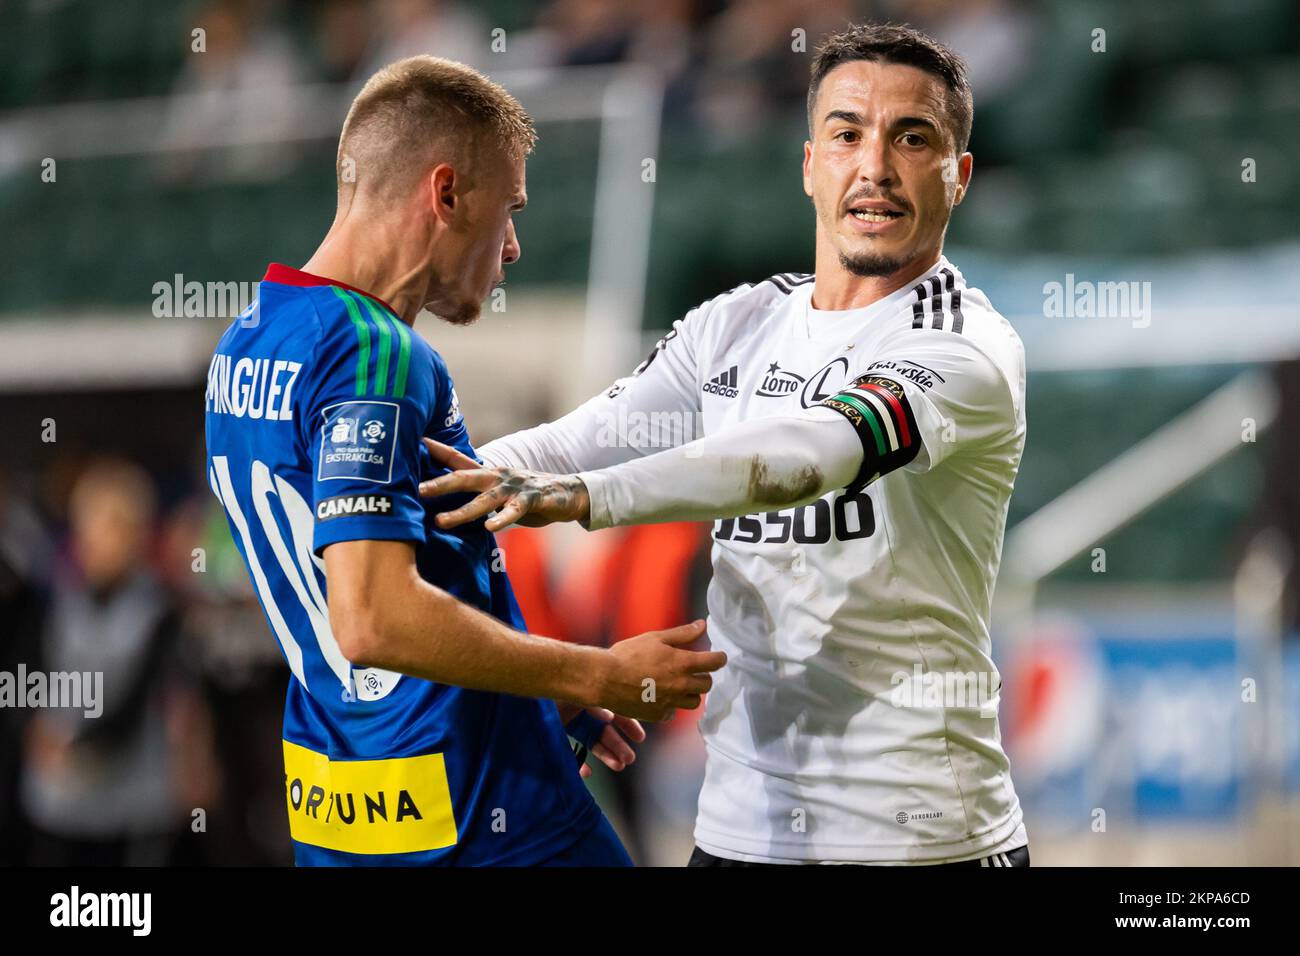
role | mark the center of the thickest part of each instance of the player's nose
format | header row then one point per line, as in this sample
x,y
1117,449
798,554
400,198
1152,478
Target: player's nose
x,y
874,162
510,250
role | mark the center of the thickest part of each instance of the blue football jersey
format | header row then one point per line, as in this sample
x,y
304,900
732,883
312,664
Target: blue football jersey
x,y
317,398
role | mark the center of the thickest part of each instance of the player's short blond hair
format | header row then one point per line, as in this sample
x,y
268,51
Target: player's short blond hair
x,y
418,112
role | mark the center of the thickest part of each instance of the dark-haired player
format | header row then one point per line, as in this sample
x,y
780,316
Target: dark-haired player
x,y
863,426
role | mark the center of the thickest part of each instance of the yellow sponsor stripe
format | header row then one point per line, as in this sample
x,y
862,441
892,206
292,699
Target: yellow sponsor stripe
x,y
398,805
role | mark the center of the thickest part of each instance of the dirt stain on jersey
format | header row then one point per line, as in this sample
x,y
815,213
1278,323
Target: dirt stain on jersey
x,y
763,487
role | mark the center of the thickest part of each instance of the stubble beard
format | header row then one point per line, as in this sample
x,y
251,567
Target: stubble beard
x,y
465,315
867,264
864,264
457,313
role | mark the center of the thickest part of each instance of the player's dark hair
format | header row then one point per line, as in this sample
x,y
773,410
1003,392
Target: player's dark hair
x,y
899,43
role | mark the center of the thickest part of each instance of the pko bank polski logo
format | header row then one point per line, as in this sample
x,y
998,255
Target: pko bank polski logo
x,y
358,440
349,431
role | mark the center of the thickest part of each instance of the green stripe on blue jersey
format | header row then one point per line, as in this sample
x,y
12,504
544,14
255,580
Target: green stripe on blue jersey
x,y
379,310
385,342
403,356
363,339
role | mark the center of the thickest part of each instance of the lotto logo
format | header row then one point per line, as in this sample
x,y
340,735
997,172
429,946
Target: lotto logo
x,y
778,382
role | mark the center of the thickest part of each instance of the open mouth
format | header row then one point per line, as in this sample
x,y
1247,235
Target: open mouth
x,y
875,215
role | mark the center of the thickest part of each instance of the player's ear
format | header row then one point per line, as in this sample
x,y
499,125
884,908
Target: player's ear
x,y
807,169
442,192
965,166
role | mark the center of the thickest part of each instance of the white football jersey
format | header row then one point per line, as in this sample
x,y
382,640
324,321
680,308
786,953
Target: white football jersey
x,y
856,718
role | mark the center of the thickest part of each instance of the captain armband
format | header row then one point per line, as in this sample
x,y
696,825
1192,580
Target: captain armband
x,y
879,412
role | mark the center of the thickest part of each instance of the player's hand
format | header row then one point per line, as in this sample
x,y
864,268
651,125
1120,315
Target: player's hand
x,y
614,748
653,673
530,498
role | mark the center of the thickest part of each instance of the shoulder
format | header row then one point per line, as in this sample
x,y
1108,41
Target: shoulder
x,y
369,349
949,319
737,312
714,321
433,368
763,294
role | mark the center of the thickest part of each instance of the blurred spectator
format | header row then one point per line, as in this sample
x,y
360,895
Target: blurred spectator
x,y
233,746
98,789
998,39
237,86
588,31
759,53
23,549
663,37
343,37
438,27
665,41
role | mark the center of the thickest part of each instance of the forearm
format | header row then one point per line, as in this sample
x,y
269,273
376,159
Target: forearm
x,y
438,638
754,466
392,619
589,437
549,448
383,614
639,415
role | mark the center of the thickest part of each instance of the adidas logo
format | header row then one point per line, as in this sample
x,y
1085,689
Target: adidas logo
x,y
724,384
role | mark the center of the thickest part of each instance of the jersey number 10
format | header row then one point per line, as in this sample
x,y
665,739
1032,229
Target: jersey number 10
x,y
298,565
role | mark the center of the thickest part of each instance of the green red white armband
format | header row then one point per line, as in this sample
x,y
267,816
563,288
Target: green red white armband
x,y
879,412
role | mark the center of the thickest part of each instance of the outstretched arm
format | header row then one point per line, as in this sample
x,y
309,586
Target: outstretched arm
x,y
654,408
753,466
879,422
